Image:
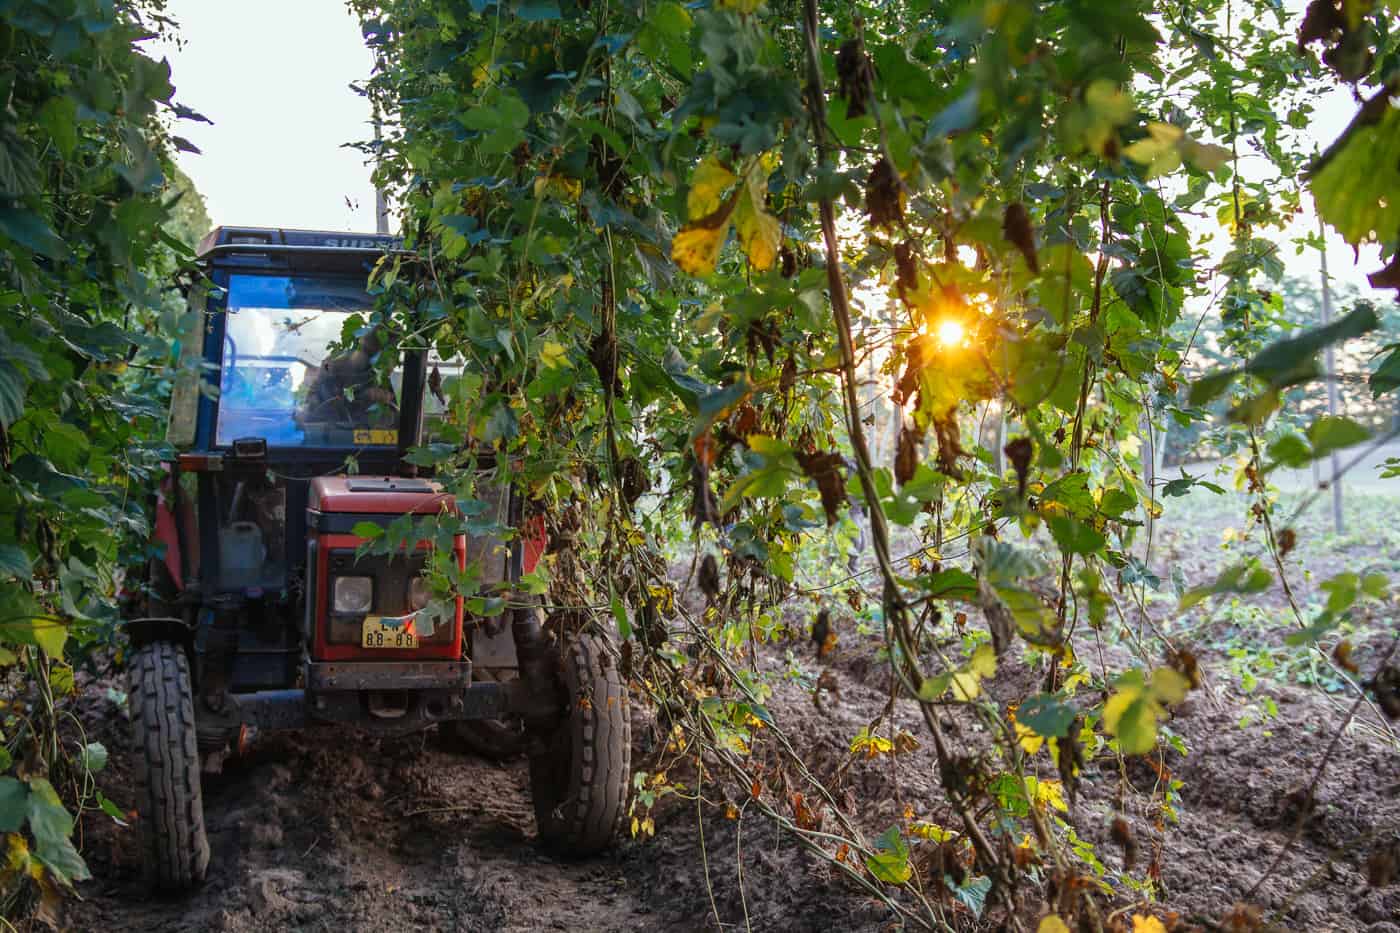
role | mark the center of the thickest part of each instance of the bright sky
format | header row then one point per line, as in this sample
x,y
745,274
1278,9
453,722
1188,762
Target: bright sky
x,y
274,76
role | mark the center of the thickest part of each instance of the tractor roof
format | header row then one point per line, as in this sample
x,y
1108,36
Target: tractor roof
x,y
244,238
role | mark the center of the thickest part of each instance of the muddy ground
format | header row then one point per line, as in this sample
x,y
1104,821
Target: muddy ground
x,y
334,831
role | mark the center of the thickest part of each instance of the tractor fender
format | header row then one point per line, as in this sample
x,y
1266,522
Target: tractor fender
x,y
160,628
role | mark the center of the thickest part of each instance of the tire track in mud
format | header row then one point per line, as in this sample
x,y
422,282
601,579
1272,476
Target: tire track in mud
x,y
331,830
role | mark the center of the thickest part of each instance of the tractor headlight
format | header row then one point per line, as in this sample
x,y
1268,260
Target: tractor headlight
x,y
418,593
352,594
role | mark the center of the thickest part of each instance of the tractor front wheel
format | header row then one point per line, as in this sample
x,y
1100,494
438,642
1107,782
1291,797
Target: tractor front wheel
x,y
579,780
167,767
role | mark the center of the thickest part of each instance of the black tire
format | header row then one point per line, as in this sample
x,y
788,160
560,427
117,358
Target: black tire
x,y
176,848
492,739
579,781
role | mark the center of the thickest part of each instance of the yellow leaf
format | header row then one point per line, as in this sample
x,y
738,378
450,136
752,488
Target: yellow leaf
x,y
740,6
553,355
1170,685
932,831
966,686
1148,924
1029,741
696,248
1051,793
871,745
1205,156
759,232
707,187
16,853
1160,150
984,662
1052,924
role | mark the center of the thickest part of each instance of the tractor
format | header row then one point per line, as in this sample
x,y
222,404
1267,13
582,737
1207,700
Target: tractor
x,y
263,609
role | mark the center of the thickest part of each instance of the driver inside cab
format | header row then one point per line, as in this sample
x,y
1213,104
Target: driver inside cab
x,y
344,392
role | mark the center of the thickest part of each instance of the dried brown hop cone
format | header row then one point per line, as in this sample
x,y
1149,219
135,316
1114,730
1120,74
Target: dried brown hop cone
x,y
1016,227
906,269
825,469
635,480
855,77
906,458
1019,452
1386,686
882,200
709,577
787,261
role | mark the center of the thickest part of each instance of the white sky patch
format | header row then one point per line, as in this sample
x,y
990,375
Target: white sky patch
x,y
275,79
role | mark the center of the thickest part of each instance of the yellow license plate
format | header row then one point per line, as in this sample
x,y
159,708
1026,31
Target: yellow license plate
x,y
378,634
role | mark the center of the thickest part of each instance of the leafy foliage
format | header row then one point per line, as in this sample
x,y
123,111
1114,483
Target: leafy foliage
x,y
641,225
90,235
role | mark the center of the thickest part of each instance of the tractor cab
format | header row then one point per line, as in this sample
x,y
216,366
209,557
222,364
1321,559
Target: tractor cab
x,y
263,611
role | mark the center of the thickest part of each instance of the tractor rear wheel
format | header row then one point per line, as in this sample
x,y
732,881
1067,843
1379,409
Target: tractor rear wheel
x,y
579,780
176,848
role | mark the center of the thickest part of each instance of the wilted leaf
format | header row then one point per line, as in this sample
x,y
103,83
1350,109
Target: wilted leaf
x,y
760,234
696,248
707,186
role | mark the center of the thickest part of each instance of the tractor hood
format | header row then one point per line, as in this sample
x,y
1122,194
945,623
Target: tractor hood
x,y
378,495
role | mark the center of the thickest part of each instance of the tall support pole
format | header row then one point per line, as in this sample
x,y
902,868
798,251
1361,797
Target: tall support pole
x,y
381,200
1329,367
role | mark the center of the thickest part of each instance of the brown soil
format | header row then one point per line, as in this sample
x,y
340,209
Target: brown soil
x,y
330,830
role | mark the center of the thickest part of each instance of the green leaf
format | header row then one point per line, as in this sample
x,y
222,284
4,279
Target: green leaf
x,y
974,893
1071,492
1075,537
14,562
890,861
1387,375
619,611
1330,433
31,231
1342,591
950,583
111,809
1246,577
1209,387
59,118
94,756
533,11
1290,450
14,804
934,687
52,827
1001,562
367,530
1130,717
1281,359
1355,180
1066,280
13,386
1046,716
